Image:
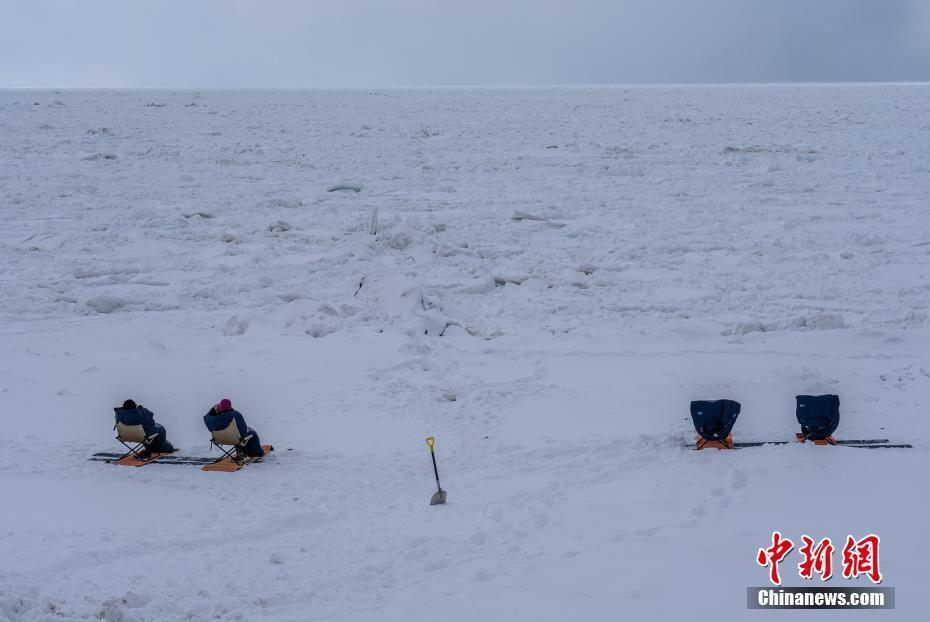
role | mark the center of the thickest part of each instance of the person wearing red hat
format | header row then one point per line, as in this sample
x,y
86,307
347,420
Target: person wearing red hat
x,y
219,418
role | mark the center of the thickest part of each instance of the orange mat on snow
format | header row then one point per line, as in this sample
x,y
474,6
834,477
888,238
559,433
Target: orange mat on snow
x,y
703,443
228,465
816,441
133,461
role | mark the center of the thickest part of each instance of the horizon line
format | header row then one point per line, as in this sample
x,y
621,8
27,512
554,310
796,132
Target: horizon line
x,y
423,87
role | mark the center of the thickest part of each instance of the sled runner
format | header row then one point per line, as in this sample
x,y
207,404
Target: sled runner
x,y
713,422
172,458
137,460
875,443
233,462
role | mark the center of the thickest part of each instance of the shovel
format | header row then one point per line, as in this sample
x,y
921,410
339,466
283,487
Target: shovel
x,y
439,496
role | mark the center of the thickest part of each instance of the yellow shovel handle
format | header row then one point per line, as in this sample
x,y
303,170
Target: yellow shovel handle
x,y
430,440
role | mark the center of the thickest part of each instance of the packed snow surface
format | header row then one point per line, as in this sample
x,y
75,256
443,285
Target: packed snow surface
x,y
554,275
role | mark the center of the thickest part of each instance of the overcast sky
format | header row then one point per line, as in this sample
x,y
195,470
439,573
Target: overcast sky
x,y
359,43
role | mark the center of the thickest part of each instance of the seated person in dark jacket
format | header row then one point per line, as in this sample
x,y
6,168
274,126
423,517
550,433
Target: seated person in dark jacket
x,y
219,418
132,414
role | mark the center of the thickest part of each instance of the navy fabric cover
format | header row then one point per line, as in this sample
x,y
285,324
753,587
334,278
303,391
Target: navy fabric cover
x,y
138,416
819,415
219,421
714,420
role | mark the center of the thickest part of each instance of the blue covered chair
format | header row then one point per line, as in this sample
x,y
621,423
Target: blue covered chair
x,y
134,438
232,435
819,416
138,431
714,421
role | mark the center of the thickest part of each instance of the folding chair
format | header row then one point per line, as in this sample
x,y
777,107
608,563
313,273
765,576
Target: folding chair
x,y
819,416
229,436
713,422
135,434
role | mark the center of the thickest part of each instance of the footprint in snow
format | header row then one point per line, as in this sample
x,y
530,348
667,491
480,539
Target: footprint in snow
x,y
740,479
495,514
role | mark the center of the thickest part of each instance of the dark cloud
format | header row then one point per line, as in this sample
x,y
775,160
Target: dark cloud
x,y
293,43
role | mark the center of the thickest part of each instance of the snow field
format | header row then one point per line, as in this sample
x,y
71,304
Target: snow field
x,y
555,274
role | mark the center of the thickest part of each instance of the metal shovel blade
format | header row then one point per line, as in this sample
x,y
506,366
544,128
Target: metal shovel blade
x,y
438,498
